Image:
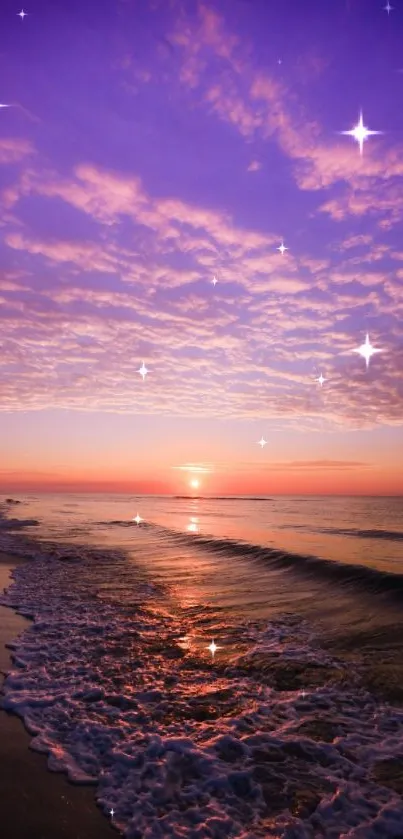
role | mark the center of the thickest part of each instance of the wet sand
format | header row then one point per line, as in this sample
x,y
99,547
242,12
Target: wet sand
x,y
36,802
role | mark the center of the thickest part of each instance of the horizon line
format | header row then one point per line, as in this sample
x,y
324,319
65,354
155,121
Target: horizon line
x,y
203,497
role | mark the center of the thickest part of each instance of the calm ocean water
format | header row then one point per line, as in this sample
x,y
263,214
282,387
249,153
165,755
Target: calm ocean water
x,y
347,531
293,728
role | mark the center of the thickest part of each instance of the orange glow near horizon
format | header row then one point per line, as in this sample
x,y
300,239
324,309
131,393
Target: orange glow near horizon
x,y
76,452
280,479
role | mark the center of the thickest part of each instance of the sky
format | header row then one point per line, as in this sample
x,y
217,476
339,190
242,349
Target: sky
x,y
150,146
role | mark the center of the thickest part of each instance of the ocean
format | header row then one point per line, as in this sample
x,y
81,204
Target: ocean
x,y
290,725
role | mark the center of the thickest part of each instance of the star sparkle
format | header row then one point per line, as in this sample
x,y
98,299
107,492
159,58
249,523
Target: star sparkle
x,y
320,379
367,350
282,248
360,133
262,442
143,371
214,281
137,519
112,813
388,8
22,14
213,647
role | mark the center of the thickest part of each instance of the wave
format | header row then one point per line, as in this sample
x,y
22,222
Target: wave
x,y
361,577
389,535
357,533
17,524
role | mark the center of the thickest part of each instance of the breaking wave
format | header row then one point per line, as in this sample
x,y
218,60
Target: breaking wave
x,y
349,575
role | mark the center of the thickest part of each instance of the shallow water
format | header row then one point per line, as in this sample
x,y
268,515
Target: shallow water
x,y
353,529
293,728
212,550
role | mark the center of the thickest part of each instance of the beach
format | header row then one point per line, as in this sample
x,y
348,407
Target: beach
x,y
289,727
39,803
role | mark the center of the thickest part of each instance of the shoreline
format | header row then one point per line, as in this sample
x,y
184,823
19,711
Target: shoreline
x,y
41,803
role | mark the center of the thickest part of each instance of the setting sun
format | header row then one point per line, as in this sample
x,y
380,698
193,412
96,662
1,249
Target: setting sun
x,y
195,483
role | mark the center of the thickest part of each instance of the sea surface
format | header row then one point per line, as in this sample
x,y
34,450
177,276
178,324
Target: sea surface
x,y
291,725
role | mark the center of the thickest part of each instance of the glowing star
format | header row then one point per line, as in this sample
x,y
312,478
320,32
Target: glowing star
x,y
22,14
138,519
5,106
112,813
388,8
367,350
262,442
360,133
143,371
282,248
213,647
214,281
303,694
320,379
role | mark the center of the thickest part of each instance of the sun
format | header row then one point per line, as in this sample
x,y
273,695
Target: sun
x,y
195,483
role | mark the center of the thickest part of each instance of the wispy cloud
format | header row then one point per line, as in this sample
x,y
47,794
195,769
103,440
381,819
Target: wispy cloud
x,y
109,264
14,149
259,104
254,166
247,348
192,467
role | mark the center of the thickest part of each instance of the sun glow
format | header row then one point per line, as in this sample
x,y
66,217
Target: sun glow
x,y
195,483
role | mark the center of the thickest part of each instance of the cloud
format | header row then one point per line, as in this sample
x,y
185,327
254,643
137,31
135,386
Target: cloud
x,y
383,202
85,256
13,150
260,105
107,196
191,467
83,313
254,166
320,465
248,351
355,241
224,101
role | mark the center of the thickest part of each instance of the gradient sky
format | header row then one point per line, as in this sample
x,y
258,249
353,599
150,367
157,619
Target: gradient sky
x,y
150,146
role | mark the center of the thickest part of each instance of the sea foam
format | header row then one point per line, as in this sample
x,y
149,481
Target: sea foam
x,y
184,746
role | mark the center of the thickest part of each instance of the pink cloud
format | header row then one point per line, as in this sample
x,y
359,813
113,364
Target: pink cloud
x,y
86,256
254,166
12,150
255,102
384,202
230,107
106,196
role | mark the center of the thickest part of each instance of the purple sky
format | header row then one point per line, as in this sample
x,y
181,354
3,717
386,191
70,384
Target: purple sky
x,y
151,146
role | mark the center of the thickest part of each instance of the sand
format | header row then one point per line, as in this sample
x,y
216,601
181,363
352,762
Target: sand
x,y
36,802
